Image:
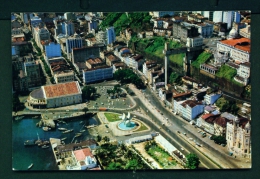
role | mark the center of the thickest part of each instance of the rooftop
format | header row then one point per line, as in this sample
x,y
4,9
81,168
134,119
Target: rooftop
x,y
82,154
241,43
191,103
62,89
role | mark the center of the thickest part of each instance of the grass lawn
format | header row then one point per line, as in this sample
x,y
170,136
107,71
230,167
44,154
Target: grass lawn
x,y
202,58
163,158
112,117
177,58
142,128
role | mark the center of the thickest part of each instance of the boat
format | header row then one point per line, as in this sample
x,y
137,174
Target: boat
x,y
38,141
45,146
81,122
29,142
44,142
19,117
35,117
67,131
78,134
46,128
30,166
64,138
82,130
62,129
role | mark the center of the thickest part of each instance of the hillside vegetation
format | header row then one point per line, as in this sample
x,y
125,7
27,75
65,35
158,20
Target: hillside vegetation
x,y
202,58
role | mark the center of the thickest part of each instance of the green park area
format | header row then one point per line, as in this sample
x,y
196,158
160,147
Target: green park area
x,y
114,157
142,128
160,155
228,73
202,58
112,117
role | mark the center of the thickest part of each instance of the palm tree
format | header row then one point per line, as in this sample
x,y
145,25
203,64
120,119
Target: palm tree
x,y
85,109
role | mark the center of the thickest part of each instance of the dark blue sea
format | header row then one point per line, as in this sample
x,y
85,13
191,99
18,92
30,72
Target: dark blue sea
x,y
43,159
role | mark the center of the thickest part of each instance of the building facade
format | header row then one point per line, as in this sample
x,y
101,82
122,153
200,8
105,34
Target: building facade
x,y
238,137
74,41
111,35
99,73
57,95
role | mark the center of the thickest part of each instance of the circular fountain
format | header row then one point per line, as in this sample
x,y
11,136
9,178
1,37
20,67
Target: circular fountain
x,y
126,123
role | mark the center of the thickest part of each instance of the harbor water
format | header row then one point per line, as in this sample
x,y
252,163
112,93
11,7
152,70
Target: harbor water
x,y
43,159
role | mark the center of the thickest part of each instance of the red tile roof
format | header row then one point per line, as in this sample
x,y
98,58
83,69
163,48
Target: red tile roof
x,y
237,43
61,89
82,154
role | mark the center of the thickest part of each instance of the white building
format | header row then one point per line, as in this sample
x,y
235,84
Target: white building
x,y
194,41
211,98
85,159
238,137
238,49
243,73
97,73
205,29
245,32
188,109
64,77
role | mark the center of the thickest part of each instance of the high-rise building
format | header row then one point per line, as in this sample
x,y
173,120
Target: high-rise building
x,y
73,42
69,28
111,36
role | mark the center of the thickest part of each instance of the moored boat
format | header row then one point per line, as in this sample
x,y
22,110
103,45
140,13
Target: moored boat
x,y
78,134
44,142
46,128
67,131
45,146
62,129
64,138
30,166
29,142
82,130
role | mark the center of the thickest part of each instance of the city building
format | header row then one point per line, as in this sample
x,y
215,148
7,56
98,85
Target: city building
x,y
94,62
183,30
41,36
111,35
56,95
211,98
60,70
190,82
206,122
147,66
92,25
194,41
17,35
188,109
243,73
210,69
133,60
238,136
99,73
68,28
205,29
81,54
72,42
52,50
101,37
85,159
32,72
245,32
238,49
161,13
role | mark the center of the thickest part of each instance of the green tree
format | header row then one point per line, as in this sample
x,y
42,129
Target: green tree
x,y
88,92
85,109
219,139
174,78
114,166
192,161
131,165
99,138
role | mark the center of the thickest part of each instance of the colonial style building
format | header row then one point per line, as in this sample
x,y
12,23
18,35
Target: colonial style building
x,y
56,95
243,73
188,109
238,137
238,49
